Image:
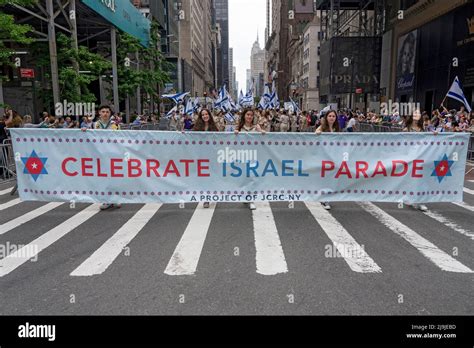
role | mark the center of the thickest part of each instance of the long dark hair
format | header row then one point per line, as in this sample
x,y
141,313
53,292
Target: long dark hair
x,y
325,123
410,121
200,124
242,118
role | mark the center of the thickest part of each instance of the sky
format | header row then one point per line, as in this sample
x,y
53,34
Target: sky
x,y
246,17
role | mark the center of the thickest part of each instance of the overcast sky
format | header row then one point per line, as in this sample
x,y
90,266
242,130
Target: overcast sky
x,y
245,18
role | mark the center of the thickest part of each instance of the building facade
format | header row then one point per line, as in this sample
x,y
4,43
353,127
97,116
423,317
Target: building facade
x,y
310,78
195,46
221,8
439,39
257,68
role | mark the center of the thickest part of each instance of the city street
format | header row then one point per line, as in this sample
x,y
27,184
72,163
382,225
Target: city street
x,y
152,259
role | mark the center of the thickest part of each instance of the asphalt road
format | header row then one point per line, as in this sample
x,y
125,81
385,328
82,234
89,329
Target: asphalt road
x,y
229,260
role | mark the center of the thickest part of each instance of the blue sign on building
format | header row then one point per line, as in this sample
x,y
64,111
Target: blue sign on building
x,y
123,15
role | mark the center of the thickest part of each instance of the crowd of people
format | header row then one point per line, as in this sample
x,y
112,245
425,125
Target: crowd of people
x,y
440,120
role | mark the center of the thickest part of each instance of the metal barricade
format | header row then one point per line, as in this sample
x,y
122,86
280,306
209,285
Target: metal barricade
x,y
365,127
7,162
470,149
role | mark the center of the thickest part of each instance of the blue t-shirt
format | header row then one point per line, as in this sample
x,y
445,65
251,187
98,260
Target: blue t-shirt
x,y
188,124
342,119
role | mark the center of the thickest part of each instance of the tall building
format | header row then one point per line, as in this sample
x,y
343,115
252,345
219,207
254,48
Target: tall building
x,y
234,83
310,79
230,86
222,18
276,47
195,46
248,80
257,67
302,13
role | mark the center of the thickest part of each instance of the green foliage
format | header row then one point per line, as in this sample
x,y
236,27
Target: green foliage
x,y
9,31
69,79
154,69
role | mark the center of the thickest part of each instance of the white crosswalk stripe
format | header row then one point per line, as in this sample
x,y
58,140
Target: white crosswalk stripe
x,y
186,255
270,258
358,260
10,204
15,260
4,192
428,249
471,192
465,206
451,224
10,225
111,249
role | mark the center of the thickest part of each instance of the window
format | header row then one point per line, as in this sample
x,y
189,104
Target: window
x,y
319,50
317,81
319,66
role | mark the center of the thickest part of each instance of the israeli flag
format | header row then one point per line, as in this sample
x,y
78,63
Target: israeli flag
x,y
170,113
196,104
189,109
296,109
455,92
229,117
241,97
274,101
177,98
262,104
223,101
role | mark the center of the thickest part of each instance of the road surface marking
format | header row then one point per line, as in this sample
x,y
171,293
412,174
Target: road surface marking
x,y
4,192
10,225
358,260
464,205
186,255
471,192
15,260
270,257
103,257
10,204
428,249
449,223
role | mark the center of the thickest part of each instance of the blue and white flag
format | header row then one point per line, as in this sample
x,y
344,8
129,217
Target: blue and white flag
x,y
274,101
229,117
189,109
196,104
296,109
170,113
455,92
241,97
223,101
177,98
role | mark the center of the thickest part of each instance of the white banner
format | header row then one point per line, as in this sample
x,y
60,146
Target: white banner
x,y
170,167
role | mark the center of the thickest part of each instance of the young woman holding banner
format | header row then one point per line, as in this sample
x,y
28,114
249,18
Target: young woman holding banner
x,y
329,124
415,124
205,123
247,124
